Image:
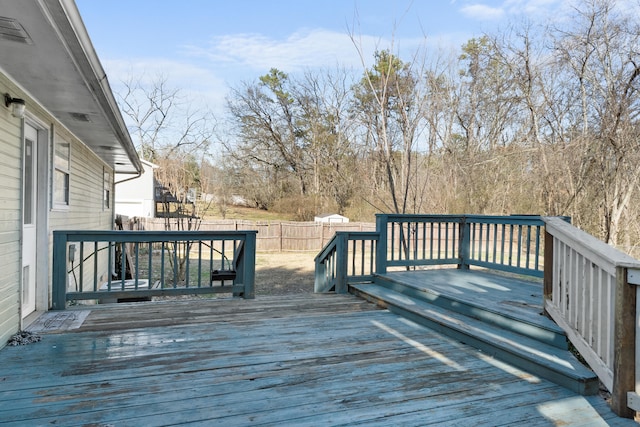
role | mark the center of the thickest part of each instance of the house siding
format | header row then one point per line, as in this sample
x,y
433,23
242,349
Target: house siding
x,y
84,212
10,181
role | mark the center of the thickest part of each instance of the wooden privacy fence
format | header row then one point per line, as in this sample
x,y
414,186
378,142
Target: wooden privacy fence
x,y
273,236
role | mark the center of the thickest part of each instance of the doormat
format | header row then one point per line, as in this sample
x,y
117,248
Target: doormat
x,y
59,321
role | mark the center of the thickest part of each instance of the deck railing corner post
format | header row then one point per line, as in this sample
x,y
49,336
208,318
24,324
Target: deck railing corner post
x,y
59,273
465,244
249,265
320,280
624,331
381,248
547,293
342,253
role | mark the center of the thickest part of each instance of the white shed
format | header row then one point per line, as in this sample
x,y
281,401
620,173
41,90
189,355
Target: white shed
x,y
331,218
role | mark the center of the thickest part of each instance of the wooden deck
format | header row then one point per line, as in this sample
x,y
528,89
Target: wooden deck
x,y
295,360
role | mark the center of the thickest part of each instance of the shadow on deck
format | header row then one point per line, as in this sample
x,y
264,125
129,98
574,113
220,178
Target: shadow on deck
x,y
300,360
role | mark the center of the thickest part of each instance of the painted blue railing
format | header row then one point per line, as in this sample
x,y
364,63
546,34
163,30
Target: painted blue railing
x,y
109,265
508,243
349,257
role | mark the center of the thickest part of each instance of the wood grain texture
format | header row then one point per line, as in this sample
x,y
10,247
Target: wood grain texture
x,y
303,360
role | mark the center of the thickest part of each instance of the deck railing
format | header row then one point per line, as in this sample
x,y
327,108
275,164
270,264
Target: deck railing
x,y
108,265
590,291
349,257
508,243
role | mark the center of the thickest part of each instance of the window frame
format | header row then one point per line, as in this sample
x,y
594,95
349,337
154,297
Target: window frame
x,y
107,190
61,170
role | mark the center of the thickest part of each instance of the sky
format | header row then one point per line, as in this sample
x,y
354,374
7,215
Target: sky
x,y
204,47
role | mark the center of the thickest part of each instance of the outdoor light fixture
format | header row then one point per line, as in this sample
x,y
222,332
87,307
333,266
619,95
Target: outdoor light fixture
x,y
18,105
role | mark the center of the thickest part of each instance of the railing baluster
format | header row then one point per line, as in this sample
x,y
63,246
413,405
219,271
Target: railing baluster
x,y
511,244
446,240
150,265
110,264
200,263
519,245
81,258
431,241
439,240
175,264
137,263
162,256
187,262
502,240
95,267
537,252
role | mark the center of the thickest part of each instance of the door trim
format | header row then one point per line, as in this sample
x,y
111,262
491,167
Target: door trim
x,y
41,217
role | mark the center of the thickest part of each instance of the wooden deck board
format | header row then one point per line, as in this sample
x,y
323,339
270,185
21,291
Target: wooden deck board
x,y
517,297
305,360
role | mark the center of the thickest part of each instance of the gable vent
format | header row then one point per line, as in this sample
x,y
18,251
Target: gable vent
x,y
10,29
81,117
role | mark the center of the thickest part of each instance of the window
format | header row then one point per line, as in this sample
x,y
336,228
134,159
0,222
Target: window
x,y
106,200
61,161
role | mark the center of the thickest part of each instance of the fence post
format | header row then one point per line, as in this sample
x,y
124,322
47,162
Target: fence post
x,y
342,253
624,344
465,243
381,249
59,273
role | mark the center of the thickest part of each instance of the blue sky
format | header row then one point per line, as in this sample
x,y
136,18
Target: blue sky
x,y
205,46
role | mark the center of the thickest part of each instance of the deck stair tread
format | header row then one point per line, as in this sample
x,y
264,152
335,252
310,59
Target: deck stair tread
x,y
507,302
535,357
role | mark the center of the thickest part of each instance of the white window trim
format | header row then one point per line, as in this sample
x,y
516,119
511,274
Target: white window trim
x,y
56,205
107,186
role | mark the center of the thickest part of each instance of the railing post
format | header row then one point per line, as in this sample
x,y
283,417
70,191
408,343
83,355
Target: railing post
x,y
320,280
59,273
342,253
381,249
249,265
547,286
465,243
624,344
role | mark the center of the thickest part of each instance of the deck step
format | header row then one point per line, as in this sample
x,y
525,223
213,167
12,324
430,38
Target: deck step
x,y
517,320
535,357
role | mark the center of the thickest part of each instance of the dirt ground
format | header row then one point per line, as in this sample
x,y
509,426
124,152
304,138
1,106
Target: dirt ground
x,y
284,273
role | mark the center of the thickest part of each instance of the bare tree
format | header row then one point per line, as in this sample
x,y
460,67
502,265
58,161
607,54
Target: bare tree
x,y
170,133
601,55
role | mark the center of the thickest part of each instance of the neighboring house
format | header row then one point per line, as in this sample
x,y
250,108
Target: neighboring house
x,y
58,160
135,197
331,218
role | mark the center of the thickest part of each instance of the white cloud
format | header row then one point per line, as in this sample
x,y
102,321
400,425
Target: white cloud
x,y
482,12
531,7
303,49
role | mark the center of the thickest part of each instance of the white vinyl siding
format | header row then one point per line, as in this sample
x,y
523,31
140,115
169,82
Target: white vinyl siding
x,y
10,224
85,211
